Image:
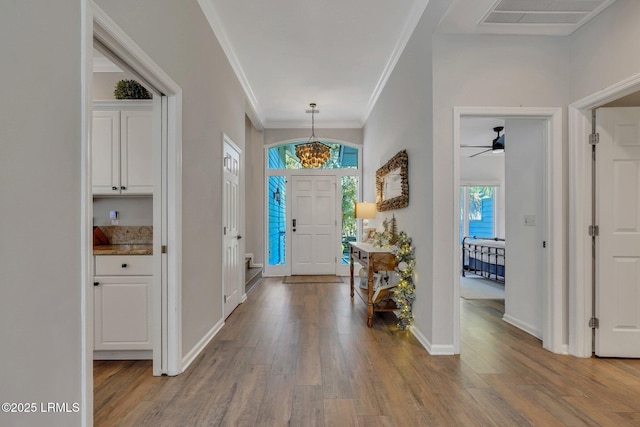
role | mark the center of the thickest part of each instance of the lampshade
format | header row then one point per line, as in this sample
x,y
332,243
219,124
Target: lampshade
x,y
313,153
365,210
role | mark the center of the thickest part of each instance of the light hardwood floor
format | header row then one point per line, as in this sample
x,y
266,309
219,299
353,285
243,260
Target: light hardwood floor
x,y
301,354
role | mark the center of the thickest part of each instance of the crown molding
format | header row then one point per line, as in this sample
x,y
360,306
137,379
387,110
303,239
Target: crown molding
x,y
414,17
255,112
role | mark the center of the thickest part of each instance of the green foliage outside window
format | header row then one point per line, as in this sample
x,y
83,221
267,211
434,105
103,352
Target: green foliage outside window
x,y
476,194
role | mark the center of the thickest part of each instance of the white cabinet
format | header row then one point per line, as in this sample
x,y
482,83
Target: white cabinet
x,y
122,302
122,148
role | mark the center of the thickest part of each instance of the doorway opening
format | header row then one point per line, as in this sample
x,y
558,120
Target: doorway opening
x,y
545,222
309,213
165,297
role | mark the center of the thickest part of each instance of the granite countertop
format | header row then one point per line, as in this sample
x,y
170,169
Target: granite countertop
x,y
123,240
127,249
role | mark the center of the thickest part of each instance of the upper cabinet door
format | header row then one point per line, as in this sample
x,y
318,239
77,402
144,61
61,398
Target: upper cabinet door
x,y
136,170
105,152
122,148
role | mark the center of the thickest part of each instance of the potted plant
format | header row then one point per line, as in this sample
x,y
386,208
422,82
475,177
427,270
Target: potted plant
x,y
130,89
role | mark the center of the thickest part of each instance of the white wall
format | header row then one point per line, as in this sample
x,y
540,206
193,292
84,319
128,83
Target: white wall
x,y
277,135
178,38
105,83
604,52
524,274
494,71
254,200
131,210
40,233
403,119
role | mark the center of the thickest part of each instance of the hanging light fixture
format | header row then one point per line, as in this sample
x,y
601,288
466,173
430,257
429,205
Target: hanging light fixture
x,y
313,153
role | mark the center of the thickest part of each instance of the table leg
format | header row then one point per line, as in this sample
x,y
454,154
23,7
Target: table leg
x,y
351,272
370,298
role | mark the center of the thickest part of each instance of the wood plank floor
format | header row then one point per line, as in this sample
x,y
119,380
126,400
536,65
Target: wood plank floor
x,y
301,354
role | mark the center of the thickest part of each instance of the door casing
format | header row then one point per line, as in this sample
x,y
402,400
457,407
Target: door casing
x,y
580,200
285,269
167,168
553,292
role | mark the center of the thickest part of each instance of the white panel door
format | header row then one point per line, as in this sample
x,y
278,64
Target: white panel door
x,y
618,244
313,225
232,277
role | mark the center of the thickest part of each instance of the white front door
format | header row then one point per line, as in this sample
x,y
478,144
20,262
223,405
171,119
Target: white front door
x,y
618,244
313,225
232,276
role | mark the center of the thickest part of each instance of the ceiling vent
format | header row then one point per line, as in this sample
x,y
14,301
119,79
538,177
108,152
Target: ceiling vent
x,y
569,13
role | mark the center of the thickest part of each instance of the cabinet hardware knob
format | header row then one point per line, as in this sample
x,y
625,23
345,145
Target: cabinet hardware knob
x,y
239,237
123,188
96,283
124,266
114,188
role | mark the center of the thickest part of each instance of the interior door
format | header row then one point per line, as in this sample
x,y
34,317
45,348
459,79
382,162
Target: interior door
x,y
232,276
313,225
618,244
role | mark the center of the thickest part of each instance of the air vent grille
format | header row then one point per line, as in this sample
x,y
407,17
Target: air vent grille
x,y
573,12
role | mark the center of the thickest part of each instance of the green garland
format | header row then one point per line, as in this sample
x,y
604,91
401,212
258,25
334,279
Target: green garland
x,y
405,292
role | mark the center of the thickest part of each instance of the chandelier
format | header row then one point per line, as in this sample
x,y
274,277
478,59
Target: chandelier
x,y
313,153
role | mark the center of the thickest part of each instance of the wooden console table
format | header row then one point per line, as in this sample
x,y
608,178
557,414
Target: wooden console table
x,y
372,259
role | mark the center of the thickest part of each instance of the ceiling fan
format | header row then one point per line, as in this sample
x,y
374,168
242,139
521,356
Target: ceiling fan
x,y
497,145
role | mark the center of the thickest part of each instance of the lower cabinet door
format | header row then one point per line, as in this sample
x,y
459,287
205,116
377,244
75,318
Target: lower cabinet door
x,y
122,313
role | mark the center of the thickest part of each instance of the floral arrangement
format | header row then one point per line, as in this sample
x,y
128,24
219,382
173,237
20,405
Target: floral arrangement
x,y
405,292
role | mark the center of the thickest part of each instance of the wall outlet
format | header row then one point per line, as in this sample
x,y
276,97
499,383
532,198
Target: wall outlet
x,y
114,217
530,220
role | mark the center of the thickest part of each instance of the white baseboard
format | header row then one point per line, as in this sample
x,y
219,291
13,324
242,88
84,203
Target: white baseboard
x,y
197,349
522,325
434,350
251,263
122,355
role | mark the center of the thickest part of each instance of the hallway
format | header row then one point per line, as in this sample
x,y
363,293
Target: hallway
x,y
301,354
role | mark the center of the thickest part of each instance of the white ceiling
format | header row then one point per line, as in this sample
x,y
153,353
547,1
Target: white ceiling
x,y
479,131
338,54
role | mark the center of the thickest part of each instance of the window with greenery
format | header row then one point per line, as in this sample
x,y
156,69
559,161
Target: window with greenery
x,y
477,211
349,225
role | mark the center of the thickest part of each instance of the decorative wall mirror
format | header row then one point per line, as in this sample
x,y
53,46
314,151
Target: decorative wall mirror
x,y
392,183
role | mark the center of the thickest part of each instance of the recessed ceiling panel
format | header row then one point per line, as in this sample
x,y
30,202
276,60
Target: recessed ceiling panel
x,y
569,13
549,5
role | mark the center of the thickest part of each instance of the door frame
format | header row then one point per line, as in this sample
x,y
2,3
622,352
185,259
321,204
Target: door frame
x,y
553,290
580,275
285,269
242,296
167,176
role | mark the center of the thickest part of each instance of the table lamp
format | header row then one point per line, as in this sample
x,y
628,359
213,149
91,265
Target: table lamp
x,y
365,211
